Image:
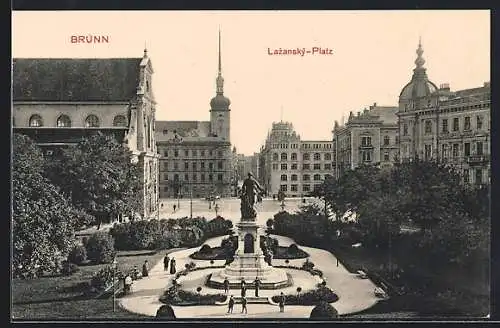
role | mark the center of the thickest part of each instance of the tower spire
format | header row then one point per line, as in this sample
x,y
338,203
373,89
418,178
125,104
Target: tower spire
x,y
420,61
220,79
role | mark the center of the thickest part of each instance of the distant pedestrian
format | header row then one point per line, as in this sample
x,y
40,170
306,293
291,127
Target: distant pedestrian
x,y
257,286
172,266
337,261
166,260
135,273
161,205
243,291
127,284
226,285
244,304
243,282
282,302
230,305
145,269
175,206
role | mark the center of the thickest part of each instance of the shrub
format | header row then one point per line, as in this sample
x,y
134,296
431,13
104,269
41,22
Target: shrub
x,y
308,265
103,278
69,268
205,249
78,254
165,312
312,297
175,296
100,248
323,311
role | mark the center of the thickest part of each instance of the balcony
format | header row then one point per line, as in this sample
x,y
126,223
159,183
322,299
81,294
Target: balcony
x,y
478,159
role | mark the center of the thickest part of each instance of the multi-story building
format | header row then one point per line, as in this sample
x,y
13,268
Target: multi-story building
x,y
452,127
370,137
196,157
291,165
56,102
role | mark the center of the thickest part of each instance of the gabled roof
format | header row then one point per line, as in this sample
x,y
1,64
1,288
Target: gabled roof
x,y
75,79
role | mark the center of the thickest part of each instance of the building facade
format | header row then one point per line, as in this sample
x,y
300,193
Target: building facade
x,y
195,156
56,102
370,137
442,125
291,165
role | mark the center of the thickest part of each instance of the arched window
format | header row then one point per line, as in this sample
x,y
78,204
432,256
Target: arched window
x,y
317,156
275,156
63,121
428,127
306,177
120,120
284,156
306,157
294,156
36,120
317,177
92,121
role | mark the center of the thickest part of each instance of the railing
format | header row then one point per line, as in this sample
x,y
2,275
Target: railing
x,y
476,159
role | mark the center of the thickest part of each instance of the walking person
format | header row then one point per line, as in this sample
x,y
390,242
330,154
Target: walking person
x,y
145,269
166,260
282,302
244,304
127,284
257,286
230,305
226,285
172,266
243,291
175,206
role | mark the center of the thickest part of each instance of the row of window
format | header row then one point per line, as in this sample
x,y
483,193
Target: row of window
x,y
303,146
455,125
453,150
478,175
194,166
194,177
295,187
305,156
305,177
194,153
63,121
294,166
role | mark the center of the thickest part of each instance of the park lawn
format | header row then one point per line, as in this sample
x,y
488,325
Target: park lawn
x,y
59,297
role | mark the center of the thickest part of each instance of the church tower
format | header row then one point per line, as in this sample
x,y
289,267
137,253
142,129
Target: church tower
x,y
219,107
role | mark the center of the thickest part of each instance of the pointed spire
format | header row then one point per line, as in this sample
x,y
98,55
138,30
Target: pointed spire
x,y
220,79
420,61
145,50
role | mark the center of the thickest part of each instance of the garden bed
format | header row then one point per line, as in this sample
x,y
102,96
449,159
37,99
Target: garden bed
x,y
175,296
313,297
215,253
283,253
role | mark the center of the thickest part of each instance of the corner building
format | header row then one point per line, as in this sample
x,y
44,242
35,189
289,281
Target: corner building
x,y
56,102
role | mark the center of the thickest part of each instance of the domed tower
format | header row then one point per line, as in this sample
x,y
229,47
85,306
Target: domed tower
x,y
219,106
419,93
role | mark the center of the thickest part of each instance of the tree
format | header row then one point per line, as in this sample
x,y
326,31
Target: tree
x,y
99,177
323,311
165,312
43,221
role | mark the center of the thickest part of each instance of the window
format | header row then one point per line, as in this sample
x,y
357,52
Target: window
x,y
367,156
405,129
293,156
455,150
202,153
284,166
283,188
427,151
479,176
479,148
467,149
386,157
397,139
219,165
176,153
317,166
176,177
220,153
466,175
328,157
186,166
186,153
467,123
284,156
479,122
294,166
165,153
317,156
36,120
386,140
210,166
92,121
120,120
165,189
306,156
305,166
444,125
306,177
293,177
63,122
195,167
366,141
275,156
428,127
186,177
195,177
283,177
202,165
211,153
195,153
293,187
202,177
165,177
275,166
455,124
219,177
210,177
306,187
328,166
317,177
176,166
444,151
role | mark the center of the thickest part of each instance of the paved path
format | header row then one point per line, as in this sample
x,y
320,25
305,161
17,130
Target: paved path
x,y
355,294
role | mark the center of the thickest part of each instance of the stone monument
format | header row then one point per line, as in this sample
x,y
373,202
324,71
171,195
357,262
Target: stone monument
x,y
249,260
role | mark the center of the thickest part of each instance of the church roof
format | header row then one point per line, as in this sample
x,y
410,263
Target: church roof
x,y
75,79
185,131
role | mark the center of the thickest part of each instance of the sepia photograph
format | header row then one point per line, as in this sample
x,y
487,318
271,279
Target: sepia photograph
x,y
237,165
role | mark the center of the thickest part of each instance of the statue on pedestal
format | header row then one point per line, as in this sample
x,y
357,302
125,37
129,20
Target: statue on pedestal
x,y
250,190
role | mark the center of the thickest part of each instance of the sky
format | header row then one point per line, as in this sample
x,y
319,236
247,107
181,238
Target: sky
x,y
371,59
